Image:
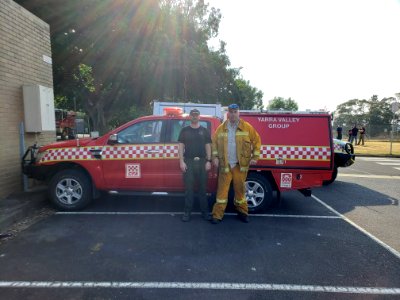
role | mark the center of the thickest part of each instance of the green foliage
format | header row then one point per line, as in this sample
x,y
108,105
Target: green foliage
x,y
62,102
119,118
280,103
114,56
84,77
246,96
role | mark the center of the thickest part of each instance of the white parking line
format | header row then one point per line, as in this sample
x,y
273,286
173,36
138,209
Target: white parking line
x,y
215,285
387,247
369,176
201,285
389,163
180,213
375,159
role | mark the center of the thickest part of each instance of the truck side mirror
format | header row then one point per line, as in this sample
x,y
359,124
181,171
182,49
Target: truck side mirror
x,y
113,139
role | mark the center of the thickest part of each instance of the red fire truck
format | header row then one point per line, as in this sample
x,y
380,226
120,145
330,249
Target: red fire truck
x,y
141,157
65,124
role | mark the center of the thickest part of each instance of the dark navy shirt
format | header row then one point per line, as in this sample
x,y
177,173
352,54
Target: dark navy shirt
x,y
194,140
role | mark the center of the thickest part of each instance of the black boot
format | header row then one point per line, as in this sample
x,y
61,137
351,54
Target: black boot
x,y
243,217
215,221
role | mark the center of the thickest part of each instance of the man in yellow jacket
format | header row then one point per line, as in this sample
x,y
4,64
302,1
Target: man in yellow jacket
x,y
235,146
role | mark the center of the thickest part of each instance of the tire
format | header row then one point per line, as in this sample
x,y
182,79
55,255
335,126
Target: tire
x,y
333,178
349,148
64,135
71,134
70,190
258,192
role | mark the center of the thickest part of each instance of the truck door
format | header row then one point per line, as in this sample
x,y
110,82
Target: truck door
x,y
135,161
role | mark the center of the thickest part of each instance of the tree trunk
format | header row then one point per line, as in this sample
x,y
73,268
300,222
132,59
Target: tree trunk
x,y
95,109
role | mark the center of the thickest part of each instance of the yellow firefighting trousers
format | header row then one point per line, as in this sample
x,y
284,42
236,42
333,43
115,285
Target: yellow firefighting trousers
x,y
224,181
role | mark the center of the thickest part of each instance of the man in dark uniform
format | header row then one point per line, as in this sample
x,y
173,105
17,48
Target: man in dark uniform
x,y
354,132
195,160
339,130
362,134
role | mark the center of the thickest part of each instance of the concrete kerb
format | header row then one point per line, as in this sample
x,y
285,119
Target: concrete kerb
x,y
21,205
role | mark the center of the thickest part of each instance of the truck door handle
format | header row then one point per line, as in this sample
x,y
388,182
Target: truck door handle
x,y
96,153
153,151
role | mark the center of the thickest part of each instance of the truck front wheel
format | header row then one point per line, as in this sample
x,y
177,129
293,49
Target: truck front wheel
x,y
258,192
70,190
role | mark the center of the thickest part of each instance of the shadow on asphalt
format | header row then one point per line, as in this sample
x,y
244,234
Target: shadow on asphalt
x,y
348,195
345,195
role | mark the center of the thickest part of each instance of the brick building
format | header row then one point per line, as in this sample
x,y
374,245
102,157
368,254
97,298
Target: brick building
x,y
25,59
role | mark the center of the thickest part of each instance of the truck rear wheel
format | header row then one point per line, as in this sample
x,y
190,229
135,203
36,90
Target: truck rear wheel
x,y
70,190
258,192
64,134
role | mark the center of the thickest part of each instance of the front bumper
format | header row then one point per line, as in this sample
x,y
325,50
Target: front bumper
x,y
344,153
29,166
344,159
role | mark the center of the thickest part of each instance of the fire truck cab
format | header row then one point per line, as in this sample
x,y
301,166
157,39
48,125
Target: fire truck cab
x,y
141,157
65,123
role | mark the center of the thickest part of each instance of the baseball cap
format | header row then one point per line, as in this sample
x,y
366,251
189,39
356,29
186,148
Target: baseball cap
x,y
233,106
194,111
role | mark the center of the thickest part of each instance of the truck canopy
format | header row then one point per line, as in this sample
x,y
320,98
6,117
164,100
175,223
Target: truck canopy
x,y
205,109
293,140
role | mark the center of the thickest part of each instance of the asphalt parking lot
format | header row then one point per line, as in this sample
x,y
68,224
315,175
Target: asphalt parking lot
x,y
342,243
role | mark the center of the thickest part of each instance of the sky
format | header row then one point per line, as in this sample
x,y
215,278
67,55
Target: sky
x,y
320,53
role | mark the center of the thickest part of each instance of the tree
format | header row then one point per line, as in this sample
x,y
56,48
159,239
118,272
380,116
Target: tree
x,y
351,112
279,103
373,113
246,96
114,57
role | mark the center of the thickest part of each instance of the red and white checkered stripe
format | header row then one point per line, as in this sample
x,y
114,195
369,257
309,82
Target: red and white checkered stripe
x,y
133,152
113,152
295,152
67,154
171,151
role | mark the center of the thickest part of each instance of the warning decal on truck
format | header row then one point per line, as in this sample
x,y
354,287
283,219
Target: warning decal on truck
x,y
132,171
286,180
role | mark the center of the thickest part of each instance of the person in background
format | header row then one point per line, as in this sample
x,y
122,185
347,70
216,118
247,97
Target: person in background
x,y
195,161
349,135
354,132
339,130
235,146
362,135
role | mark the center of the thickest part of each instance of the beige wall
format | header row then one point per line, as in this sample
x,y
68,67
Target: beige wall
x,y
24,39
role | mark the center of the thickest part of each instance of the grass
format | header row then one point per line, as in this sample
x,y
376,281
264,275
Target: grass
x,y
379,148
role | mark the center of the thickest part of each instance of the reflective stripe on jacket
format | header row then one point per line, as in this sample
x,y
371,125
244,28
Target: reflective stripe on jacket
x,y
248,145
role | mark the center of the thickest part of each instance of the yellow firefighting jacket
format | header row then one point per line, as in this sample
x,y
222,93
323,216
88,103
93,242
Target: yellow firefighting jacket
x,y
248,145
